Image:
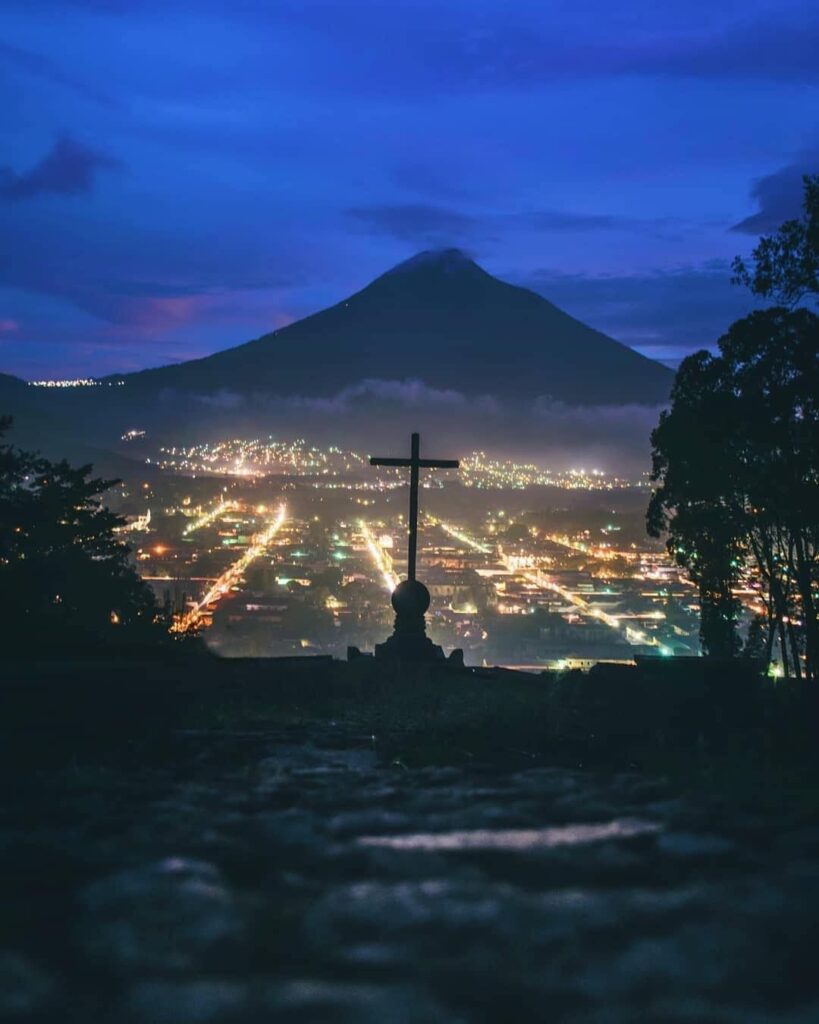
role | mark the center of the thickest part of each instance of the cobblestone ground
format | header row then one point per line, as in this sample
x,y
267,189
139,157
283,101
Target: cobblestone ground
x,y
298,879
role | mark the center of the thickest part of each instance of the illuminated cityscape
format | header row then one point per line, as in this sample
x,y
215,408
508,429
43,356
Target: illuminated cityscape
x,y
332,466
76,382
272,548
478,470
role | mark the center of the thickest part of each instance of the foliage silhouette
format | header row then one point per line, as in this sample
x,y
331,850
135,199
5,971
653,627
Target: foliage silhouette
x,y
65,581
785,265
694,502
736,459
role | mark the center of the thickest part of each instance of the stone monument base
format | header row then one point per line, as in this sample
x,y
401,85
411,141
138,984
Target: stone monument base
x,y
403,647
409,641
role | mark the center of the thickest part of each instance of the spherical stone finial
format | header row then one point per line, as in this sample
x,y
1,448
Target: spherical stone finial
x,y
410,598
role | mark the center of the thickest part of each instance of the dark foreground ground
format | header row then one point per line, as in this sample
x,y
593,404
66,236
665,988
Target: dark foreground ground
x,y
298,854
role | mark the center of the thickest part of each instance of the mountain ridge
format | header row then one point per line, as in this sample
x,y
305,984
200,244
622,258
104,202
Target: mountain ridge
x,y
440,318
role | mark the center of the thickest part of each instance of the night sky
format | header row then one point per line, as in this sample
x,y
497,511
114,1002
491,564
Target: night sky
x,y
179,177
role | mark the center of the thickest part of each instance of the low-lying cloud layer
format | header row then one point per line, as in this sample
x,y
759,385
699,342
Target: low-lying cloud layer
x,y
375,414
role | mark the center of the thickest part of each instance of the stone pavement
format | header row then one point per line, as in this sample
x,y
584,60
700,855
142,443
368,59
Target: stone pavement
x,y
291,877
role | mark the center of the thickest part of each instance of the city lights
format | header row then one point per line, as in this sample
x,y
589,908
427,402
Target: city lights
x,y
210,516
78,382
380,558
508,586
232,574
334,468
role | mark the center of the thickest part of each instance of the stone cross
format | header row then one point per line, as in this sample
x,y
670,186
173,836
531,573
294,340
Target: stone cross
x,y
415,463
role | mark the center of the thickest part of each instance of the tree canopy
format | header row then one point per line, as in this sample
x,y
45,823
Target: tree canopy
x,y
65,580
785,266
736,459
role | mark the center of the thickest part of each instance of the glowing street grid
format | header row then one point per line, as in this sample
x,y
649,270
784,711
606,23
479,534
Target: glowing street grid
x,y
269,564
233,575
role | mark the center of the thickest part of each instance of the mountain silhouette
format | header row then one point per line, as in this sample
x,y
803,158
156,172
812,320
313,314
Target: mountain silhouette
x,y
439,318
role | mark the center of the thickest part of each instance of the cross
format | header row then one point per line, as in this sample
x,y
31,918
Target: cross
x,y
415,462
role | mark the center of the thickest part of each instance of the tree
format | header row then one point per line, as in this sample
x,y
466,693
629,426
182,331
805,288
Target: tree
x,y
736,460
65,580
785,265
696,503
736,457
772,362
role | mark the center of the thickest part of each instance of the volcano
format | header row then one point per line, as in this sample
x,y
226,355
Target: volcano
x,y
438,318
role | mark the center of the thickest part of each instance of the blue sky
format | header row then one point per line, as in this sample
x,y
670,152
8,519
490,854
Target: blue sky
x,y
177,177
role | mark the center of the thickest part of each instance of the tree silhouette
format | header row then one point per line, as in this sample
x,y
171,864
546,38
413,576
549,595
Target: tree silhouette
x,y
695,503
65,581
785,265
736,458
772,360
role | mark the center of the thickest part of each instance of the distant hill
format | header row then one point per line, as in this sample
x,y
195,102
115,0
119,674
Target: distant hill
x,y
43,421
11,388
439,318
30,419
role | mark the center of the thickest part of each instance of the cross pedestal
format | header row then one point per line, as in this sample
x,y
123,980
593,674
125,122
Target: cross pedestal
x,y
410,599
409,640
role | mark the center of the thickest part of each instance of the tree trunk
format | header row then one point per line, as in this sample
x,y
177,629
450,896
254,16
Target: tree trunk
x,y
804,577
794,640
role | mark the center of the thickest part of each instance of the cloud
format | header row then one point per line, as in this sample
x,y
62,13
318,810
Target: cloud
x,y
418,223
36,65
551,432
409,393
766,49
431,178
564,220
779,195
69,168
664,313
464,47
436,226
135,273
